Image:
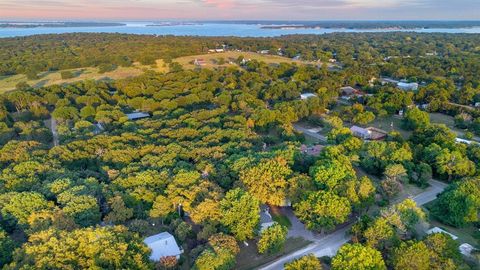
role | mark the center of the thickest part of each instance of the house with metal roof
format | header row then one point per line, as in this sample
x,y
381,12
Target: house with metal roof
x,y
137,115
369,133
163,245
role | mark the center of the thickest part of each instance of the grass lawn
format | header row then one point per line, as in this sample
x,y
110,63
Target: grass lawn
x,y
281,219
309,140
465,235
248,258
212,58
385,123
440,118
388,123
8,83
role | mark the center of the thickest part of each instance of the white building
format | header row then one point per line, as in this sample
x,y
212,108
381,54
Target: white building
x,y
466,249
305,96
438,230
163,245
360,132
408,86
460,140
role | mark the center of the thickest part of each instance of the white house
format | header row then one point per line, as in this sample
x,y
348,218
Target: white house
x,y
438,230
466,249
408,86
163,245
305,96
460,140
370,133
360,132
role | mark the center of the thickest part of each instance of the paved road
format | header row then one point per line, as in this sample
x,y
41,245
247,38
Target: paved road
x,y
430,194
52,124
309,133
328,245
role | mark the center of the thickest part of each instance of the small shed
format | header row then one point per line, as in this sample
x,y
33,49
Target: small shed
x,y
466,249
163,245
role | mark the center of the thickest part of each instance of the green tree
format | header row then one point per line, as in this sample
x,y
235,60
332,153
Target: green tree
x,y
308,262
360,192
412,256
272,239
66,74
99,248
459,204
87,112
416,118
332,169
323,210
240,213
445,250
161,207
453,164
358,257
404,216
219,254
17,207
268,180
119,212
6,248
379,233
83,209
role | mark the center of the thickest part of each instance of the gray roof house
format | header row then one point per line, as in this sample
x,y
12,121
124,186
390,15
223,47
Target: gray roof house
x,y
137,115
360,132
163,245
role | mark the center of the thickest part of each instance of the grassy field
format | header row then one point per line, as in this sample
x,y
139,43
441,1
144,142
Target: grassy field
x,y
465,235
8,83
440,118
211,60
248,258
389,124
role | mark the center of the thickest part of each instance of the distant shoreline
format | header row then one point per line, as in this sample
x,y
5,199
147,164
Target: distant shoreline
x,y
57,24
373,25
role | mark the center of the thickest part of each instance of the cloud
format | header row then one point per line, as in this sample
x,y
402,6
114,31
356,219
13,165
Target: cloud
x,y
221,4
243,9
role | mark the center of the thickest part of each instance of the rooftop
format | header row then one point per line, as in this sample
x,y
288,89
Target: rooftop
x,y
307,95
162,245
137,115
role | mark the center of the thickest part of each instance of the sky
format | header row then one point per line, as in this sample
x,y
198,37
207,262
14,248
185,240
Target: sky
x,y
240,9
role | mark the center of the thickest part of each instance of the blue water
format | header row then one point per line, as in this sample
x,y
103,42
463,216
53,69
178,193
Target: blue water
x,y
205,29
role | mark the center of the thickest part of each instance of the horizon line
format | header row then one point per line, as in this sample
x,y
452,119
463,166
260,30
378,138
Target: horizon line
x,y
237,20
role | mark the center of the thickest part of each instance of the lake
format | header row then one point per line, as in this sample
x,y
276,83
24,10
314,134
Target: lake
x,y
208,29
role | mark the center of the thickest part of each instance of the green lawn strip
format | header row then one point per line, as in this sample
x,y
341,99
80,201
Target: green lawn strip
x,y
248,258
465,234
282,220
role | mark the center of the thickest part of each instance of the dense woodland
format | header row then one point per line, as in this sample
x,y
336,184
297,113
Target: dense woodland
x,y
220,143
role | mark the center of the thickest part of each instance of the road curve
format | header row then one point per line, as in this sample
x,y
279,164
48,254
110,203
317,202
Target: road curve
x,y
329,244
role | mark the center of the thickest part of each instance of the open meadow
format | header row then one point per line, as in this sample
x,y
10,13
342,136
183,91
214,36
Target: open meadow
x,y
8,83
